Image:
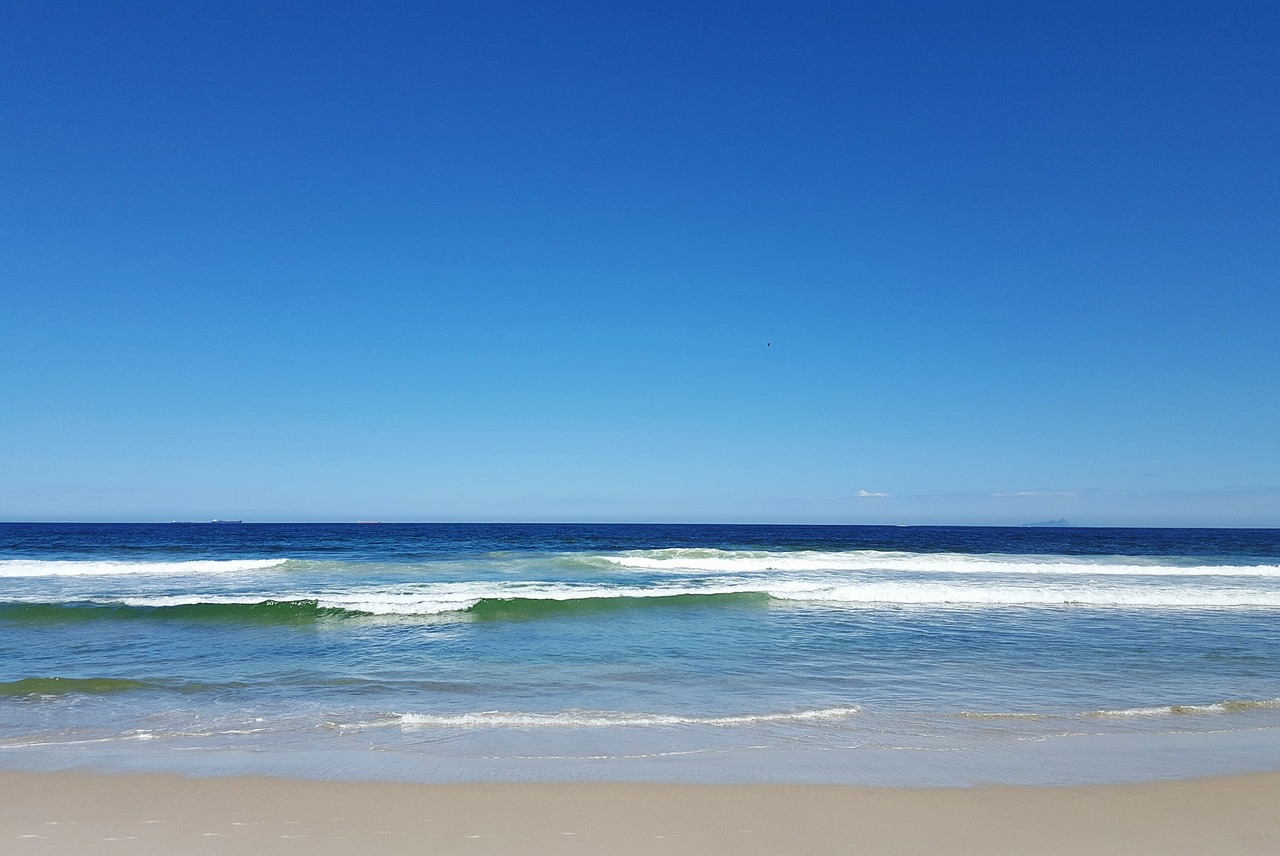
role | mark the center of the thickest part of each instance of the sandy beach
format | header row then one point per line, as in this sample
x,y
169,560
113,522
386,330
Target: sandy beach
x,y
76,813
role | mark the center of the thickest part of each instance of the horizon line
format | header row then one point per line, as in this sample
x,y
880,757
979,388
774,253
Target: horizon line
x,y
222,522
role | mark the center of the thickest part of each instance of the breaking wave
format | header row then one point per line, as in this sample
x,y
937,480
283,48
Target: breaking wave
x,y
684,561
613,719
527,601
1229,706
44,568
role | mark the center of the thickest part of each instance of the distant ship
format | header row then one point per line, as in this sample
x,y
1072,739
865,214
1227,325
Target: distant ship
x,y
216,520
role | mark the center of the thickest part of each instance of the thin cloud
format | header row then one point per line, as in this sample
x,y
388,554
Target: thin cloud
x,y
838,497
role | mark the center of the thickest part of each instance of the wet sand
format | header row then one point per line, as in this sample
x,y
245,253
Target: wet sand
x,y
78,813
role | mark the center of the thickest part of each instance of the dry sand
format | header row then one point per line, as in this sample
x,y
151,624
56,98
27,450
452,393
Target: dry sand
x,y
74,813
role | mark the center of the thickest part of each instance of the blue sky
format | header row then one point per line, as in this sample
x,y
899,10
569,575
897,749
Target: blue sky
x,y
747,262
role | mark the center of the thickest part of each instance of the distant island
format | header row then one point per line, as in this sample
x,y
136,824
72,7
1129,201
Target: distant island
x,y
1049,524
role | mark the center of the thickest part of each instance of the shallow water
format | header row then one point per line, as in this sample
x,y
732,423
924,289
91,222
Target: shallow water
x,y
710,653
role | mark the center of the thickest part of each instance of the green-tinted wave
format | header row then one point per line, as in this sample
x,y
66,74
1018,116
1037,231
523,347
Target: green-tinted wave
x,y
57,686
308,612
525,608
66,686
267,612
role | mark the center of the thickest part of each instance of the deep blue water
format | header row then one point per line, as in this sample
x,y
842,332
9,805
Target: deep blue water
x,y
890,654
409,541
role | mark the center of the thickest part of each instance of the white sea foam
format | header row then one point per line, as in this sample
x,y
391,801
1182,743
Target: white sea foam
x,y
613,719
439,598
1190,709
193,599
372,603
945,594
52,568
847,591
678,561
433,598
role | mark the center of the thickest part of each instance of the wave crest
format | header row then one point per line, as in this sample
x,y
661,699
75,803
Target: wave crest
x,y
684,561
613,719
66,686
1228,706
83,568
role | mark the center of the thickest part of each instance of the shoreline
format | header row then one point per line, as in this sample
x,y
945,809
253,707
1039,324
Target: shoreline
x,y
77,812
1069,760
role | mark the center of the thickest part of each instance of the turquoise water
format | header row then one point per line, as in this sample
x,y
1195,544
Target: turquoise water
x,y
862,654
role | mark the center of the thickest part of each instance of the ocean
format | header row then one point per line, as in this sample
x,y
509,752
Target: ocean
x,y
549,652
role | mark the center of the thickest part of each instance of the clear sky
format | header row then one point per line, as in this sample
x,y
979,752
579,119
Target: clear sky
x,y
721,261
